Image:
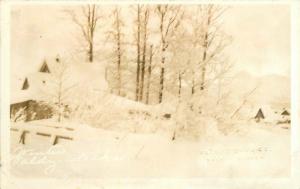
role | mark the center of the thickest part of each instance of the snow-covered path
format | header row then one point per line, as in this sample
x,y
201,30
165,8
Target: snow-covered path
x,y
254,151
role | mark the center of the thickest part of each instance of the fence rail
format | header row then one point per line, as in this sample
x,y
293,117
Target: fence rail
x,y
52,133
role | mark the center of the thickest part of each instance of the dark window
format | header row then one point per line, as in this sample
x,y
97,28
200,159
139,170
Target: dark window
x,y
25,84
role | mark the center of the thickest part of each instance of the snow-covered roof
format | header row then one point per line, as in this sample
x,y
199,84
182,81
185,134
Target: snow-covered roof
x,y
38,82
79,76
286,113
270,113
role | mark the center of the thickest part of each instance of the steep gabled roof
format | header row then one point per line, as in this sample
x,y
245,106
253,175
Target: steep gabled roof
x,y
44,68
285,112
260,114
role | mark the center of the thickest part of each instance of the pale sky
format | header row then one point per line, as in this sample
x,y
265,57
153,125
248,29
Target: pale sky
x,y
261,37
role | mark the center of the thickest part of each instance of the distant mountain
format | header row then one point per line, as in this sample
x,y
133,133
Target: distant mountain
x,y
270,89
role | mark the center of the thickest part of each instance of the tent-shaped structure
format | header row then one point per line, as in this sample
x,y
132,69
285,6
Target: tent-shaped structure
x,y
285,113
259,115
44,68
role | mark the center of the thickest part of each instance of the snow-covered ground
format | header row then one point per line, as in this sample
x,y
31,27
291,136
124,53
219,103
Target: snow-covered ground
x,y
249,150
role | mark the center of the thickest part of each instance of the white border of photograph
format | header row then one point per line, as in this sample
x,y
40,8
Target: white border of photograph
x,y
7,182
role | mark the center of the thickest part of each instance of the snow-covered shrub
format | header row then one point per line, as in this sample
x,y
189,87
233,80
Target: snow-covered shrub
x,y
189,122
107,111
91,109
218,108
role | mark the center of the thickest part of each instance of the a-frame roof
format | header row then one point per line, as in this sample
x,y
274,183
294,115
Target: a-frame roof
x,y
260,114
45,68
285,112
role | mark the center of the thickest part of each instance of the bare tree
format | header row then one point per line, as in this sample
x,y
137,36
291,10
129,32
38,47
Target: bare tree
x,y
87,22
149,72
59,88
180,75
169,20
208,35
60,80
138,46
145,38
117,36
181,58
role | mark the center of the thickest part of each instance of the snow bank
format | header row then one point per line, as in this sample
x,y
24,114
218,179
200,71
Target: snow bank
x,y
254,150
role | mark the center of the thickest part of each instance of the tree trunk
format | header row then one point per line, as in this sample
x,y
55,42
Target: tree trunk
x,y
205,45
119,69
138,57
119,54
179,85
149,75
161,80
59,101
143,60
203,72
90,52
91,28
142,78
203,78
193,83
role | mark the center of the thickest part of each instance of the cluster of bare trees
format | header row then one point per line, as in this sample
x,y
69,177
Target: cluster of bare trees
x,y
159,49
141,44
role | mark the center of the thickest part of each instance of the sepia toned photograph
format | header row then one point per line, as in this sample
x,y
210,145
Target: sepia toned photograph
x,y
116,91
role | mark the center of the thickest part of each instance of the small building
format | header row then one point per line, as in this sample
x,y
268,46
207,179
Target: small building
x,y
285,113
271,114
44,68
35,96
259,115
28,99
285,117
